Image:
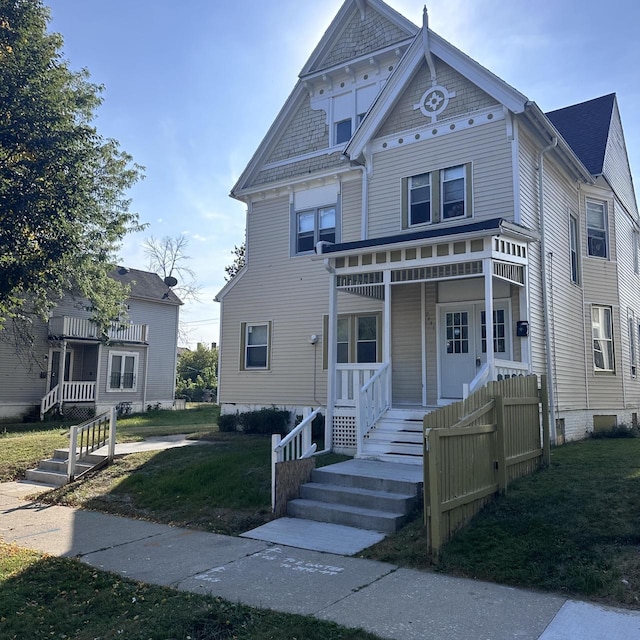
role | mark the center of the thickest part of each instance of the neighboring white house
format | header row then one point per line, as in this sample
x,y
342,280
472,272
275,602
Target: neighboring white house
x,y
71,368
405,194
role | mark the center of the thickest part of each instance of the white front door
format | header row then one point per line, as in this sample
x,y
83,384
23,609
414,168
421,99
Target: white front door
x,y
462,343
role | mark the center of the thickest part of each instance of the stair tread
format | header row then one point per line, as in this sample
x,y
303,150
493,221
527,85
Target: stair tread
x,y
373,493
316,504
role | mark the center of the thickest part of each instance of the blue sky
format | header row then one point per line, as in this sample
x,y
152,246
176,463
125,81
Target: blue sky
x,y
191,88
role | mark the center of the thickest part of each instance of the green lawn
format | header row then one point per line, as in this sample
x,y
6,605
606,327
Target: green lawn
x,y
573,529
45,597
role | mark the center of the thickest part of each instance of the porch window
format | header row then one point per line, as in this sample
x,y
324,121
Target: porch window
x,y
367,343
122,374
343,340
499,331
602,329
574,250
313,226
597,236
256,338
358,340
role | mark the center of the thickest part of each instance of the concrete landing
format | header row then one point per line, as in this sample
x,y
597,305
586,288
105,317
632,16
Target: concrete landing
x,y
315,536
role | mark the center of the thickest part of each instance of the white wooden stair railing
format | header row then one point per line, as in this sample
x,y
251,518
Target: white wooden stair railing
x,y
89,436
294,446
50,400
372,401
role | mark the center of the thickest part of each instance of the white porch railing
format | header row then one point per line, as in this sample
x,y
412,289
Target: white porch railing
x,y
502,370
71,392
72,327
350,378
372,401
89,436
294,446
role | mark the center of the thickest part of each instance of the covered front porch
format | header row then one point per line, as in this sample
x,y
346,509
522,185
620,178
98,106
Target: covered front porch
x,y
407,329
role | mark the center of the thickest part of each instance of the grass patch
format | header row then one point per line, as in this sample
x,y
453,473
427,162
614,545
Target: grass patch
x,y
45,597
224,487
161,422
574,528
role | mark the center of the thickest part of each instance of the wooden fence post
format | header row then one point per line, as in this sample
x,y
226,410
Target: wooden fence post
x,y
546,442
500,444
434,533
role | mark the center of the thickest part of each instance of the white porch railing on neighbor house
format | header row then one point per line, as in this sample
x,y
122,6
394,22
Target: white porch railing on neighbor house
x,y
374,398
89,436
70,392
294,446
350,378
502,370
71,327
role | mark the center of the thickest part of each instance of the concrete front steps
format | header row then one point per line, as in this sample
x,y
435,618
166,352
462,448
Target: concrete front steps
x,y
364,494
53,471
397,437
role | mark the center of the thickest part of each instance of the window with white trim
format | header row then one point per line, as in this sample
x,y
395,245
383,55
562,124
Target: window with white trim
x,y
631,323
437,196
597,234
256,345
313,226
348,110
602,330
358,340
574,250
123,371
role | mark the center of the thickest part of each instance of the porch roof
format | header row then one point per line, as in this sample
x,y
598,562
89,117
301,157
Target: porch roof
x,y
481,228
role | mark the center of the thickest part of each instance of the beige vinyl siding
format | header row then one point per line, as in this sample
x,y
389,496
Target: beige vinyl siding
x,y
486,147
616,165
406,344
431,298
629,283
292,293
351,210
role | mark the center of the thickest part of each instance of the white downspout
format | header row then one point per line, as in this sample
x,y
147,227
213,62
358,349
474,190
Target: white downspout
x,y
545,298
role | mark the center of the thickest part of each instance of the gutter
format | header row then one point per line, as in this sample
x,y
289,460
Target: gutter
x,y
545,293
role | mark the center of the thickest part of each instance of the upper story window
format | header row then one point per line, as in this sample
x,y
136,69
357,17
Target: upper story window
x,y
574,250
635,248
313,226
348,111
597,235
343,131
437,196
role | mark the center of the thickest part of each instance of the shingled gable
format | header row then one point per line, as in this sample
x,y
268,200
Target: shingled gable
x,y
145,285
585,126
399,30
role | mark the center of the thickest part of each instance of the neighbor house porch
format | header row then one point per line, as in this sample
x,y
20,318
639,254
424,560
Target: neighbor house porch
x,y
423,340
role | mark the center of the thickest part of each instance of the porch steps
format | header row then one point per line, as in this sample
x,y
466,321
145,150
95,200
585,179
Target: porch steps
x,y
397,437
364,494
53,471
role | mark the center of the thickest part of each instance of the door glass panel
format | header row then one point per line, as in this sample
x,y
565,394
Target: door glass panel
x,y
457,326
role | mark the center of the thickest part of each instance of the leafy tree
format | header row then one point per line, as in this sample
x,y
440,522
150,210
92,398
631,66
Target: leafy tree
x,y
239,261
168,258
197,372
63,211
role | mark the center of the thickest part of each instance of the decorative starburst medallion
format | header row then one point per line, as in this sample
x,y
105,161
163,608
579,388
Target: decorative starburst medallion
x,y
434,101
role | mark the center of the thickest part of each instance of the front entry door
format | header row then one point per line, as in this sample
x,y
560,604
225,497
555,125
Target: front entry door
x,y
463,345
55,367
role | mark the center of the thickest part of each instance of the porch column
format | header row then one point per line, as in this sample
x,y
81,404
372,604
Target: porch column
x,y
386,339
61,368
487,267
332,358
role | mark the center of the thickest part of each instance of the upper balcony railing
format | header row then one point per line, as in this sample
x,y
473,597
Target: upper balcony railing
x,y
83,328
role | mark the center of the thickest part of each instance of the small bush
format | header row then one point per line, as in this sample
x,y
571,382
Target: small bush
x,y
619,431
228,422
264,421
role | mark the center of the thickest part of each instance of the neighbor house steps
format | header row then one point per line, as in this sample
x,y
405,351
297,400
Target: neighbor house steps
x,y
53,471
365,494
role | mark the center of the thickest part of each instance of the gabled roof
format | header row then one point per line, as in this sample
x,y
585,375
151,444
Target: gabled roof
x,y
145,285
405,29
585,126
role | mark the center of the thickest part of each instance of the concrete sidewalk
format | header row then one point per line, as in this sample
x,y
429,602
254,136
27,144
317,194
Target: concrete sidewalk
x,y
382,598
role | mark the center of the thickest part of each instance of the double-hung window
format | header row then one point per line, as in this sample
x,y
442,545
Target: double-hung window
x,y
313,226
122,373
256,338
602,328
574,250
358,339
597,236
437,196
631,323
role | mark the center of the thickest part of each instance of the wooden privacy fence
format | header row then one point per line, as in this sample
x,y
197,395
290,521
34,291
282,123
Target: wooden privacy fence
x,y
476,447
